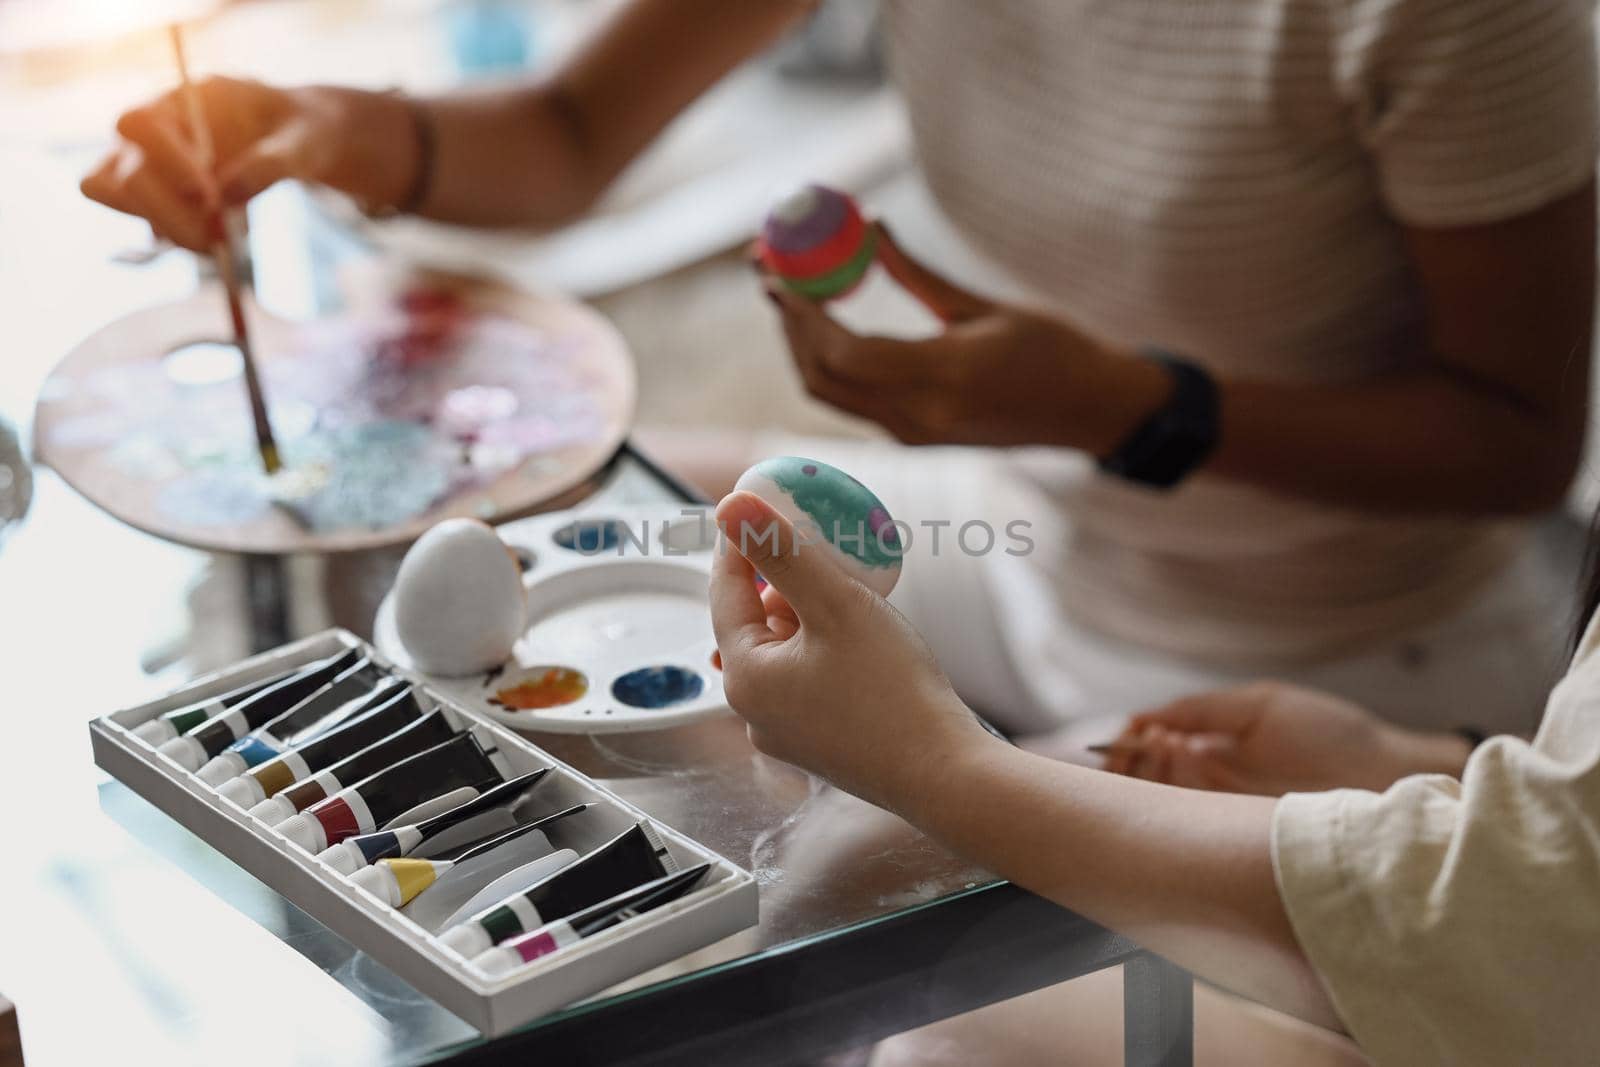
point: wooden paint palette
(619, 633)
(431, 396)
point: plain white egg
(459, 605)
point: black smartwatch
(1178, 437)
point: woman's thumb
(943, 297)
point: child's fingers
(1213, 712)
(1152, 760)
(1120, 759)
(781, 618)
(738, 617)
(1119, 753)
(1201, 763)
(817, 590)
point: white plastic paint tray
(610, 593)
(723, 904)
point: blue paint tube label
(254, 749)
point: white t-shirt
(1459, 922)
(1229, 179)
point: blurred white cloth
(1003, 628)
(1232, 182)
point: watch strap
(1178, 436)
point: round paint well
(690, 535)
(542, 687)
(657, 687)
(591, 536)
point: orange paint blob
(550, 687)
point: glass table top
(121, 930)
(112, 903)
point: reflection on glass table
(866, 926)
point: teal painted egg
(833, 513)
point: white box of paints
(724, 903)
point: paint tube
(179, 721)
(392, 709)
(461, 763)
(633, 857)
(218, 732)
(555, 936)
(170, 724)
(397, 882)
(362, 687)
(519, 877)
(417, 735)
(354, 853)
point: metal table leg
(1157, 1014)
(266, 587)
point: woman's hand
(827, 674)
(998, 375)
(1271, 738)
(361, 143)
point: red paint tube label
(338, 820)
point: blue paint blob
(657, 687)
(590, 536)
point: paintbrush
(222, 254)
(1117, 748)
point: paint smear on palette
(213, 499)
(376, 474)
(378, 418)
(548, 687)
(657, 687)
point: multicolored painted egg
(832, 510)
(459, 605)
(816, 241)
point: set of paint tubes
(341, 758)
